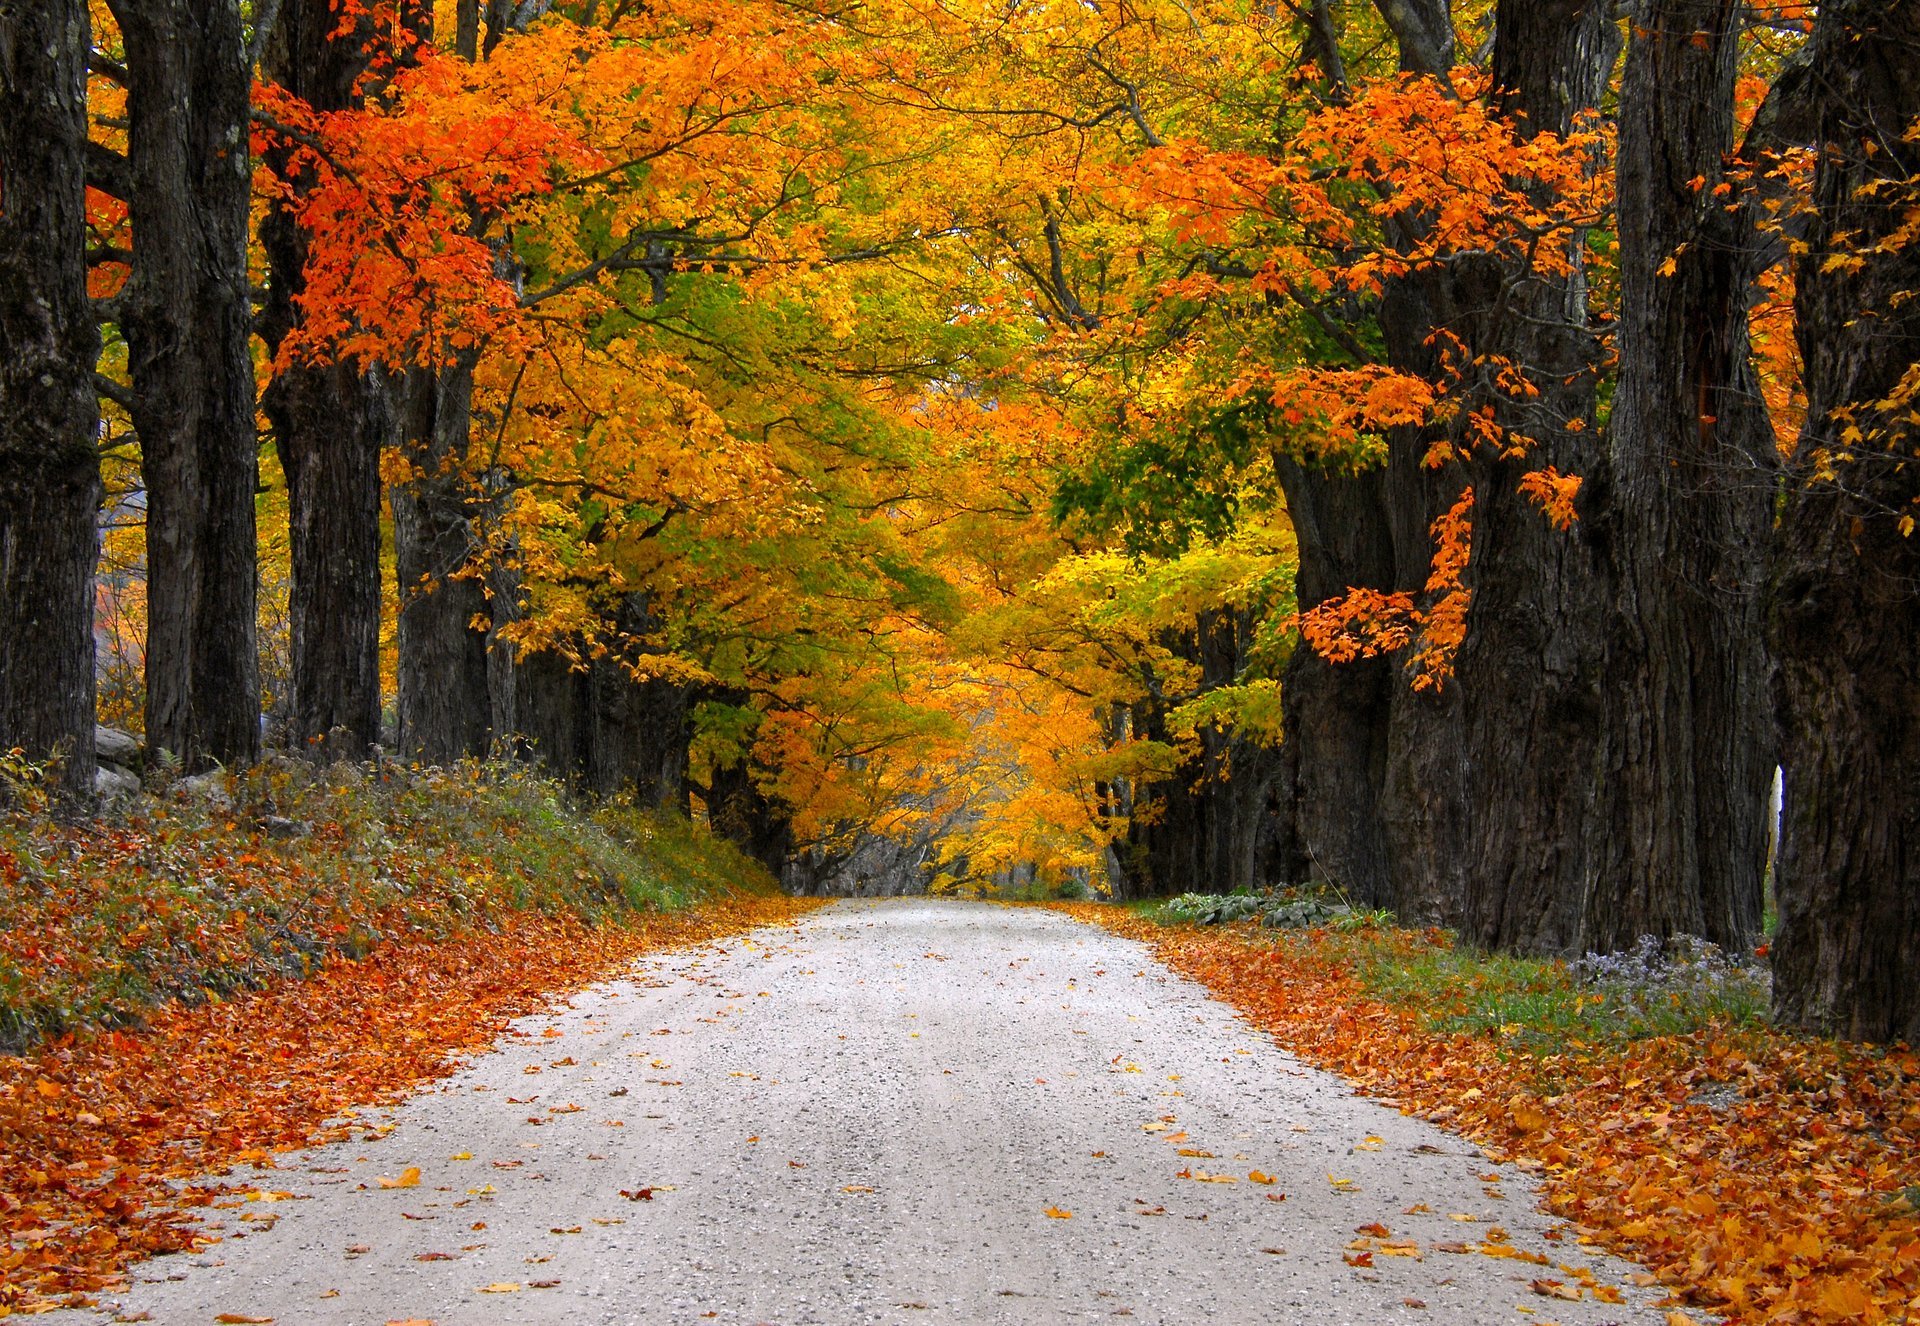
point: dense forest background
(1453, 452)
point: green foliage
(1276, 909)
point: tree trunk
(1539, 836)
(641, 728)
(598, 728)
(187, 321)
(755, 823)
(1845, 614)
(444, 704)
(1336, 714)
(49, 415)
(1691, 458)
(329, 423)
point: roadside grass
(272, 873)
(1761, 1175)
(206, 980)
(1531, 1005)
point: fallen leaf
(1555, 1289)
(409, 1178)
(499, 1287)
(242, 1318)
(1260, 1176)
(1056, 1213)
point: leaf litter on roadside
(109, 1139)
(1793, 1204)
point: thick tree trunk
(1543, 819)
(329, 423)
(1336, 714)
(187, 321)
(1845, 609)
(642, 727)
(49, 415)
(600, 729)
(444, 700)
(1691, 460)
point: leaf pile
(1758, 1175)
(94, 1125)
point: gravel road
(906, 1111)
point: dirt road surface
(907, 1111)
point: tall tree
(1691, 454)
(187, 319)
(49, 415)
(1540, 822)
(329, 420)
(1845, 607)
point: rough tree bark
(600, 729)
(329, 424)
(186, 319)
(49, 415)
(444, 705)
(1336, 714)
(1691, 452)
(1541, 813)
(1845, 608)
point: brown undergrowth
(1761, 1176)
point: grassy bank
(209, 979)
(191, 896)
(1761, 1175)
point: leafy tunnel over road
(900, 1111)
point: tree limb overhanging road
(904, 1111)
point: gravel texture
(866, 1118)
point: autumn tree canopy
(1139, 447)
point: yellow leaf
(409, 1178)
(1260, 1176)
(856, 1187)
(1846, 1300)
(46, 1088)
(499, 1287)
(1056, 1213)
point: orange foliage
(1795, 1205)
(1365, 622)
(94, 1127)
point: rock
(111, 782)
(116, 747)
(279, 826)
(210, 787)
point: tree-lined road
(905, 1111)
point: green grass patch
(1534, 1005)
